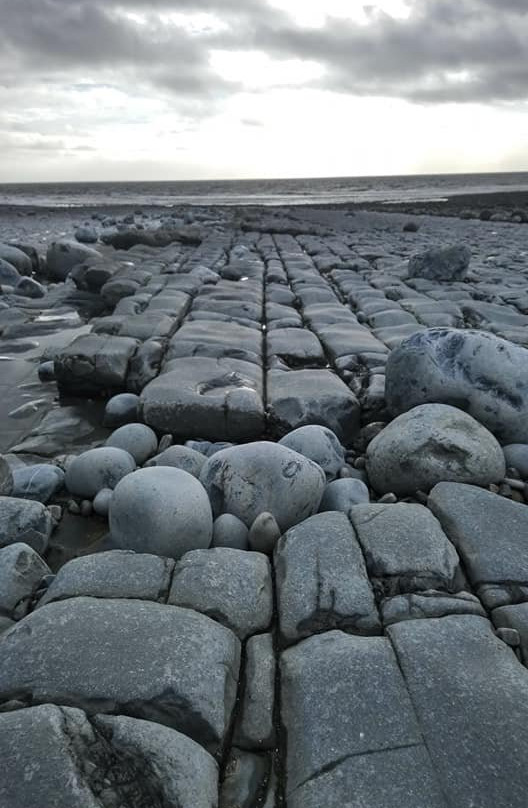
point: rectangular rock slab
(342, 697)
(471, 696)
(321, 580)
(94, 364)
(255, 728)
(162, 663)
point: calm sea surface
(262, 192)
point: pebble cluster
(297, 448)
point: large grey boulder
(231, 586)
(429, 444)
(63, 255)
(22, 520)
(350, 727)
(93, 364)
(322, 581)
(39, 482)
(110, 760)
(319, 444)
(91, 471)
(256, 477)
(441, 264)
(112, 574)
(483, 374)
(127, 657)
(160, 510)
(139, 440)
(471, 697)
(6, 478)
(21, 571)
(14, 256)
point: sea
(323, 191)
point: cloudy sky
(184, 89)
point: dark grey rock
(263, 477)
(29, 287)
(231, 586)
(318, 444)
(144, 365)
(342, 495)
(86, 235)
(255, 729)
(46, 371)
(96, 469)
(17, 258)
(180, 457)
(444, 264)
(230, 531)
(264, 533)
(160, 510)
(296, 347)
(112, 574)
(21, 571)
(516, 456)
(63, 255)
(39, 482)
(121, 409)
(92, 364)
(429, 604)
(429, 444)
(184, 684)
(6, 478)
(321, 580)
(473, 724)
(22, 520)
(245, 777)
(478, 372)
(139, 440)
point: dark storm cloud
(446, 50)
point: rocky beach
(264, 505)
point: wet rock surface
(263, 511)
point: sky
(202, 89)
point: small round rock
(98, 468)
(341, 495)
(101, 503)
(46, 371)
(264, 534)
(319, 444)
(230, 531)
(139, 440)
(121, 409)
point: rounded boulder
(138, 440)
(96, 469)
(319, 444)
(160, 510)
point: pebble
(264, 534)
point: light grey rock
(29, 287)
(91, 471)
(121, 409)
(342, 495)
(405, 548)
(39, 482)
(184, 684)
(231, 586)
(245, 777)
(22, 520)
(101, 503)
(478, 372)
(108, 760)
(262, 477)
(230, 531)
(489, 532)
(63, 255)
(6, 478)
(112, 574)
(17, 258)
(429, 444)
(318, 444)
(180, 457)
(254, 729)
(345, 709)
(21, 571)
(264, 533)
(322, 581)
(444, 264)
(160, 510)
(93, 363)
(516, 455)
(456, 669)
(138, 440)
(429, 604)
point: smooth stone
(231, 586)
(262, 477)
(112, 574)
(63, 255)
(39, 482)
(482, 374)
(244, 779)
(9, 276)
(430, 603)
(93, 364)
(17, 258)
(230, 531)
(318, 444)
(189, 664)
(161, 510)
(341, 495)
(264, 533)
(101, 503)
(121, 409)
(433, 443)
(180, 457)
(516, 456)
(26, 521)
(86, 235)
(96, 469)
(29, 287)
(444, 264)
(138, 440)
(255, 729)
(21, 571)
(6, 478)
(514, 618)
(46, 371)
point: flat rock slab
(305, 397)
(344, 700)
(489, 532)
(255, 727)
(113, 574)
(209, 338)
(94, 363)
(26, 521)
(216, 399)
(231, 586)
(162, 663)
(471, 696)
(405, 548)
(56, 756)
(429, 604)
(322, 581)
(295, 346)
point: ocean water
(334, 190)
